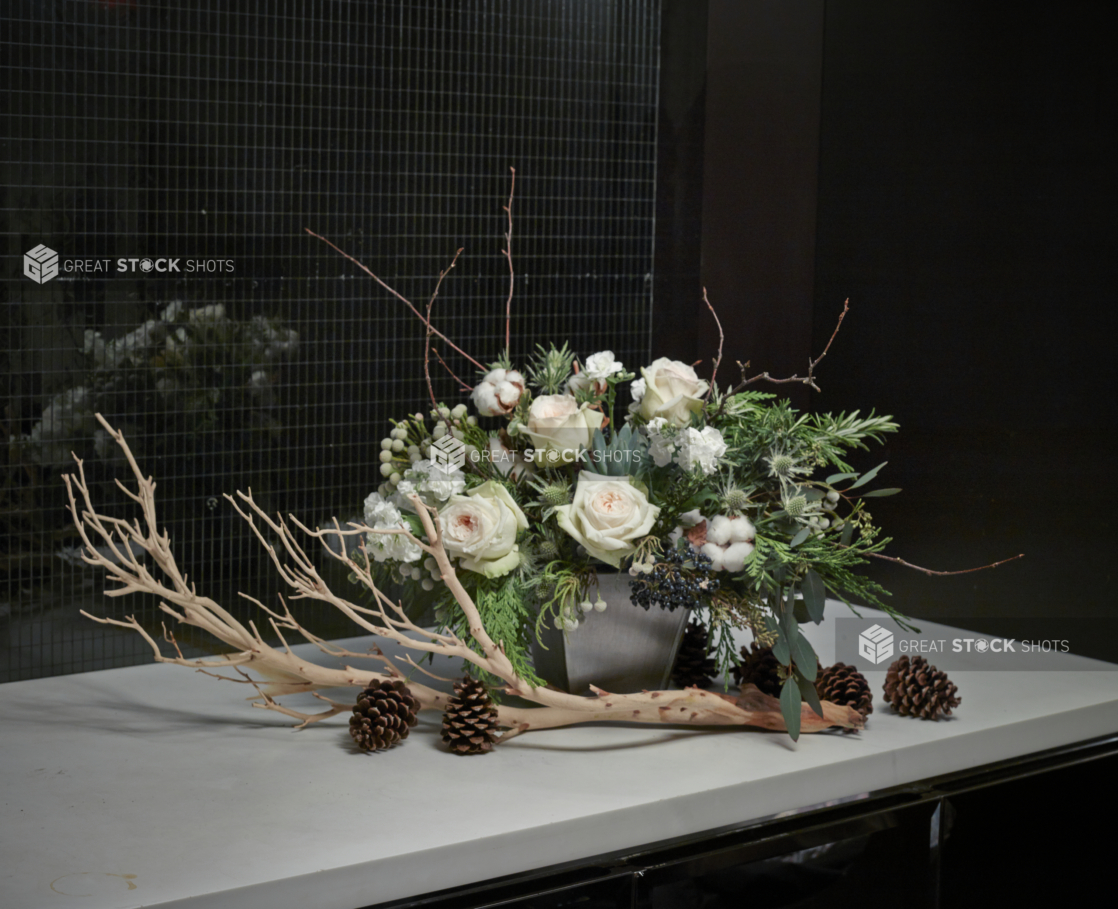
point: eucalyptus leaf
(790, 707)
(892, 491)
(839, 477)
(866, 477)
(815, 595)
(807, 663)
(809, 694)
(847, 533)
(800, 612)
(800, 537)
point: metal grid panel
(214, 132)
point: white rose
(607, 516)
(498, 393)
(480, 528)
(559, 426)
(700, 449)
(672, 390)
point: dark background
(948, 168)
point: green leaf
(880, 492)
(815, 595)
(780, 646)
(800, 612)
(790, 707)
(866, 477)
(839, 477)
(807, 663)
(800, 537)
(809, 694)
(847, 533)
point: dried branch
(430, 330)
(721, 341)
(808, 380)
(931, 572)
(397, 295)
(508, 255)
(283, 672)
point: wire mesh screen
(160, 165)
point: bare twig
(461, 384)
(808, 380)
(430, 330)
(721, 341)
(508, 255)
(397, 295)
(933, 573)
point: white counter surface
(157, 786)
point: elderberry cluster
(679, 580)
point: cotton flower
(498, 393)
(729, 542)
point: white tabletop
(157, 786)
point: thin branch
(932, 572)
(461, 384)
(430, 330)
(721, 340)
(508, 255)
(396, 294)
(808, 380)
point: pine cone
(692, 665)
(845, 685)
(470, 721)
(916, 689)
(758, 667)
(383, 715)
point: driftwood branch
(282, 672)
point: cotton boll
(715, 553)
(719, 530)
(734, 556)
(742, 530)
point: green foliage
(550, 368)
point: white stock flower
(729, 542)
(607, 516)
(480, 529)
(673, 390)
(380, 514)
(661, 443)
(498, 393)
(559, 426)
(700, 449)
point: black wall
(963, 201)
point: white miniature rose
(498, 393)
(673, 390)
(480, 529)
(559, 426)
(597, 368)
(700, 449)
(607, 516)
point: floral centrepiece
(725, 501)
